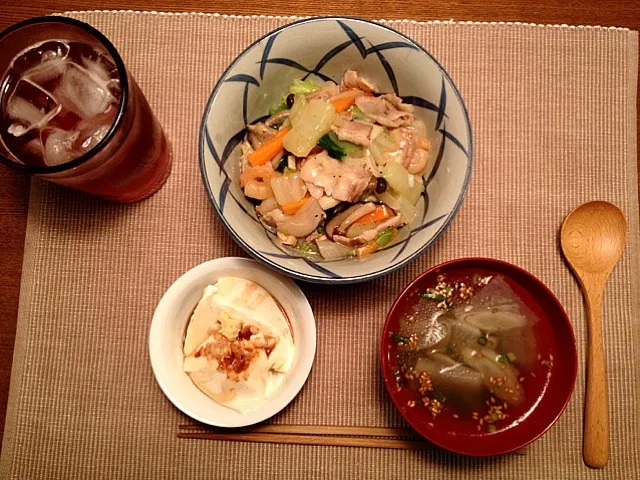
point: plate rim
(303, 369)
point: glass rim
(124, 85)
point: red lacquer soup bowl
(547, 384)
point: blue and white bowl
(322, 49)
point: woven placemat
(553, 111)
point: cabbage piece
(390, 199)
(414, 192)
(279, 108)
(399, 203)
(377, 155)
(358, 115)
(333, 251)
(397, 177)
(385, 142)
(299, 103)
(309, 125)
(407, 209)
(303, 87)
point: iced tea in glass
(71, 113)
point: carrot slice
(367, 249)
(292, 207)
(382, 212)
(345, 99)
(269, 150)
(372, 247)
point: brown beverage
(61, 99)
(71, 113)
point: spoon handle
(595, 451)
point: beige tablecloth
(553, 111)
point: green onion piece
(430, 294)
(482, 340)
(320, 228)
(398, 338)
(289, 170)
(357, 114)
(511, 356)
(503, 359)
(307, 247)
(303, 86)
(333, 149)
(384, 237)
(337, 148)
(439, 396)
(280, 107)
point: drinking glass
(131, 161)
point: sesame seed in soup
(470, 355)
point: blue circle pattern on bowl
(378, 53)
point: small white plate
(166, 339)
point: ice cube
(43, 52)
(53, 49)
(47, 71)
(59, 146)
(94, 138)
(83, 92)
(23, 111)
(93, 130)
(100, 67)
(30, 106)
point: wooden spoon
(593, 238)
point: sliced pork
(259, 134)
(355, 132)
(352, 80)
(387, 110)
(343, 180)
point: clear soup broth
(470, 354)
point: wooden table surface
(14, 189)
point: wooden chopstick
(338, 441)
(326, 435)
(317, 430)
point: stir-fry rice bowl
(335, 150)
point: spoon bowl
(592, 238)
